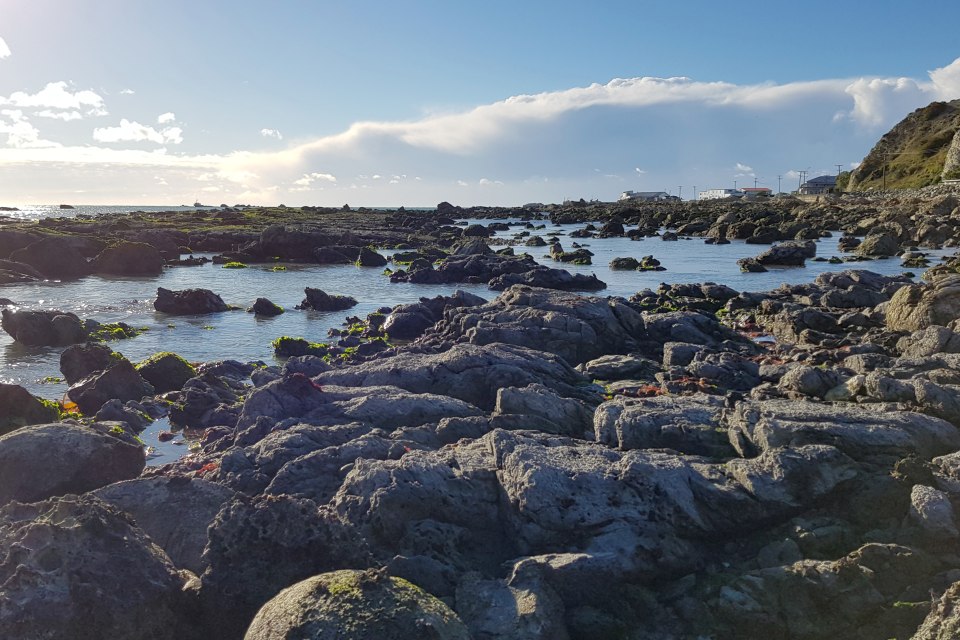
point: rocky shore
(542, 462)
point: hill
(920, 150)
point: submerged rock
(321, 301)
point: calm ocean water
(241, 336)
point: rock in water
(322, 301)
(369, 604)
(54, 257)
(188, 302)
(166, 371)
(43, 328)
(129, 259)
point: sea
(239, 335)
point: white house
(720, 194)
(646, 196)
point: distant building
(753, 192)
(719, 194)
(646, 196)
(818, 185)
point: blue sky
(411, 103)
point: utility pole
(694, 193)
(680, 192)
(838, 169)
(778, 185)
(754, 182)
(734, 185)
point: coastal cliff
(920, 150)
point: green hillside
(912, 154)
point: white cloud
(271, 133)
(56, 95)
(129, 131)
(127, 92)
(309, 178)
(538, 145)
(165, 118)
(66, 116)
(4, 49)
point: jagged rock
(41, 461)
(208, 400)
(370, 258)
(188, 302)
(792, 254)
(879, 244)
(620, 367)
(121, 381)
(810, 381)
(258, 547)
(153, 501)
(80, 360)
(688, 424)
(55, 257)
(624, 263)
(861, 431)
(76, 567)
(552, 413)
(321, 301)
(128, 259)
(521, 608)
(43, 328)
(264, 307)
(18, 408)
(370, 604)
(290, 243)
(943, 621)
(166, 371)
(851, 597)
(467, 372)
(919, 306)
(931, 509)
(409, 321)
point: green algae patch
(286, 347)
(234, 265)
(114, 331)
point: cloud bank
(580, 142)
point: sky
(386, 103)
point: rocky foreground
(540, 464)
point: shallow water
(242, 336)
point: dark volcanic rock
(321, 301)
(166, 371)
(43, 328)
(370, 258)
(264, 307)
(120, 382)
(18, 407)
(258, 547)
(80, 360)
(54, 257)
(152, 501)
(791, 254)
(76, 567)
(188, 302)
(129, 259)
(40, 461)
